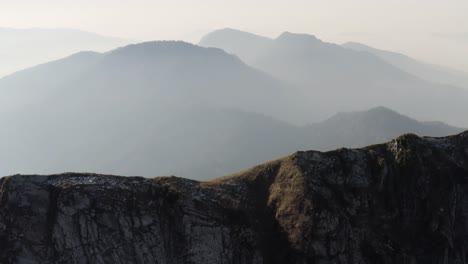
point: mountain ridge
(380, 204)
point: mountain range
(163, 108)
(335, 78)
(174, 108)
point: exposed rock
(401, 202)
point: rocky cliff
(405, 201)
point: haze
(433, 31)
(104, 86)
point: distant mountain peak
(382, 109)
(154, 45)
(231, 35)
(232, 30)
(171, 49)
(378, 111)
(366, 117)
(288, 36)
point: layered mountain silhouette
(162, 108)
(110, 111)
(337, 78)
(433, 73)
(23, 48)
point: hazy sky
(432, 30)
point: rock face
(401, 202)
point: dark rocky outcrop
(401, 202)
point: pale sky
(435, 31)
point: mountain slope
(157, 72)
(33, 85)
(399, 202)
(433, 73)
(107, 112)
(24, 48)
(335, 78)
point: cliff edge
(405, 201)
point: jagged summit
(399, 201)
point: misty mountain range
(335, 78)
(161, 108)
